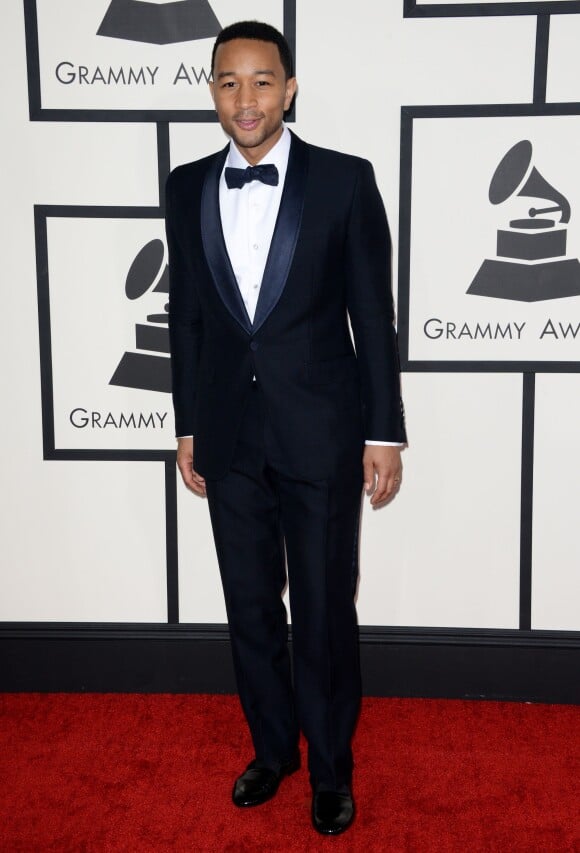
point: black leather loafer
(258, 784)
(332, 812)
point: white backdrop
(84, 541)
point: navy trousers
(262, 521)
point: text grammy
(83, 419)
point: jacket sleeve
(185, 327)
(371, 312)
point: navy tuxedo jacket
(329, 261)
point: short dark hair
(257, 31)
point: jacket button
(253, 345)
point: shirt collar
(278, 155)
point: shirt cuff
(183, 436)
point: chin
(248, 140)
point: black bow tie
(267, 173)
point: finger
(186, 474)
(199, 482)
(369, 477)
(194, 482)
(381, 490)
(199, 487)
(199, 490)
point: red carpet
(95, 773)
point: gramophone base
(169, 23)
(144, 371)
(531, 246)
(527, 282)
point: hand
(191, 478)
(383, 470)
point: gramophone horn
(538, 187)
(512, 171)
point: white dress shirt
(248, 219)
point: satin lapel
(285, 234)
(215, 247)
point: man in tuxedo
(274, 245)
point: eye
(262, 83)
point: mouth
(248, 122)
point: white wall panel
(445, 552)
(72, 164)
(191, 141)
(556, 554)
(564, 59)
(483, 3)
(82, 542)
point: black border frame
(416, 9)
(408, 116)
(42, 213)
(38, 113)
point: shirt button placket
(254, 240)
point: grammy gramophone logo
(531, 263)
(149, 367)
(159, 21)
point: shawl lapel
(214, 245)
(285, 235)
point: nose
(246, 96)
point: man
(273, 245)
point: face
(251, 93)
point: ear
(291, 87)
(211, 90)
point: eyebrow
(233, 73)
